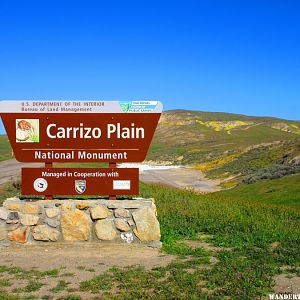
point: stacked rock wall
(129, 221)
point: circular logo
(40, 184)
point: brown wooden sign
(81, 131)
(80, 181)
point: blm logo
(80, 186)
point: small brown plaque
(80, 181)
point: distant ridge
(225, 144)
(228, 114)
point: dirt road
(11, 169)
(181, 178)
(174, 176)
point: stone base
(127, 221)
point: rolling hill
(5, 152)
(228, 145)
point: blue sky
(233, 56)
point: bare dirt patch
(70, 256)
(182, 178)
(202, 244)
(286, 284)
(74, 263)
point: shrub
(271, 172)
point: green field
(256, 226)
(190, 137)
(5, 150)
(283, 191)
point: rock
(48, 205)
(100, 212)
(82, 205)
(153, 207)
(52, 212)
(52, 222)
(29, 208)
(213, 260)
(41, 221)
(45, 233)
(29, 220)
(12, 227)
(155, 244)
(13, 206)
(67, 206)
(19, 235)
(5, 244)
(129, 204)
(13, 199)
(3, 213)
(122, 225)
(127, 237)
(12, 221)
(122, 213)
(75, 225)
(147, 226)
(13, 218)
(25, 208)
(275, 245)
(295, 161)
(131, 223)
(105, 230)
(2, 232)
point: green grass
(32, 276)
(233, 222)
(246, 227)
(28, 274)
(172, 282)
(32, 286)
(5, 282)
(246, 221)
(61, 285)
(70, 297)
(8, 190)
(7, 296)
(5, 149)
(284, 191)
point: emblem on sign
(40, 185)
(27, 130)
(125, 106)
(80, 186)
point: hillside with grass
(223, 145)
(5, 149)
